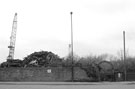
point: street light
(125, 69)
(72, 47)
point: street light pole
(72, 47)
(125, 71)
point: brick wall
(41, 74)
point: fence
(130, 76)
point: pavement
(68, 83)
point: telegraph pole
(72, 47)
(125, 71)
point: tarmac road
(67, 85)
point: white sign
(49, 71)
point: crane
(12, 39)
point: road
(67, 85)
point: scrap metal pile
(12, 63)
(42, 58)
(36, 59)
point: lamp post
(125, 71)
(72, 76)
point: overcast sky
(45, 25)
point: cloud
(106, 6)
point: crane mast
(12, 38)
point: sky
(98, 26)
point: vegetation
(104, 66)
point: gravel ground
(67, 85)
